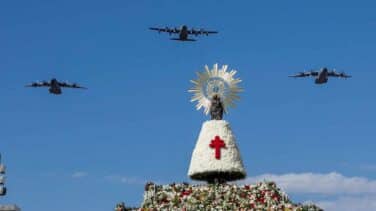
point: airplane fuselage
(54, 88)
(183, 35)
(322, 76)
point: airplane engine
(194, 32)
(2, 180)
(3, 191)
(2, 169)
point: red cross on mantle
(217, 144)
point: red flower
(261, 200)
(276, 197)
(165, 200)
(185, 193)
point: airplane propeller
(204, 32)
(194, 32)
(343, 74)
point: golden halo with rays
(215, 82)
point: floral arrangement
(261, 196)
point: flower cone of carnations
(216, 157)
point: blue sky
(96, 147)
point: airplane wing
(166, 29)
(73, 85)
(201, 31)
(210, 32)
(340, 75)
(313, 73)
(305, 74)
(39, 84)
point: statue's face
(215, 99)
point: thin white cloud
(79, 174)
(126, 180)
(331, 183)
(132, 180)
(349, 203)
(346, 193)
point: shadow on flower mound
(260, 196)
(222, 177)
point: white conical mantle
(216, 155)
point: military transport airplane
(55, 85)
(321, 76)
(183, 32)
